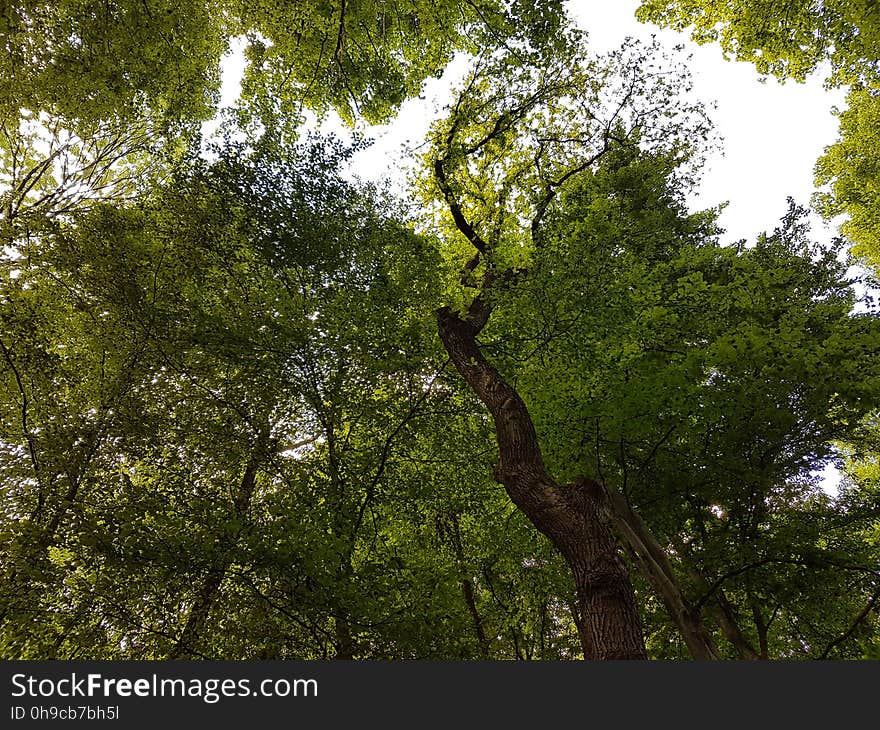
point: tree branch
(859, 619)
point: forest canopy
(534, 409)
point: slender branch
(340, 36)
(32, 450)
(461, 222)
(807, 562)
(859, 619)
(386, 450)
(654, 563)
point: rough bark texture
(571, 516)
(655, 566)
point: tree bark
(572, 516)
(655, 566)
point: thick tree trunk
(571, 516)
(604, 591)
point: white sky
(772, 132)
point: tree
(786, 40)
(500, 163)
(222, 421)
(850, 168)
(88, 62)
(92, 92)
(515, 136)
(791, 40)
(722, 380)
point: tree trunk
(571, 516)
(604, 591)
(655, 566)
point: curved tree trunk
(571, 516)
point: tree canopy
(536, 410)
(86, 61)
(783, 39)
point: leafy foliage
(791, 40)
(851, 169)
(228, 430)
(232, 415)
(783, 39)
(705, 384)
(86, 61)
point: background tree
(92, 92)
(222, 419)
(793, 40)
(87, 61)
(787, 39)
(704, 402)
